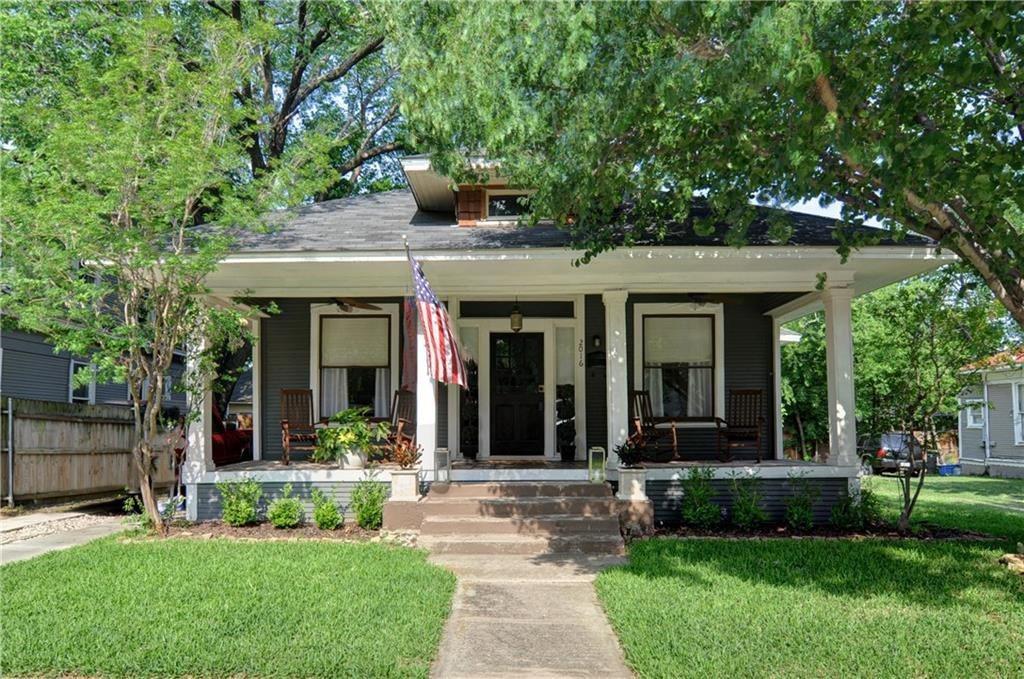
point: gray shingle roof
(377, 222)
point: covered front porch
(545, 396)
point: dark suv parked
(891, 452)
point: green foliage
(240, 501)
(800, 502)
(747, 512)
(785, 102)
(857, 512)
(630, 453)
(325, 513)
(349, 429)
(367, 503)
(314, 589)
(285, 511)
(911, 343)
(698, 509)
(126, 125)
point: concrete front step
(557, 525)
(516, 489)
(523, 544)
(520, 507)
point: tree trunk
(144, 463)
(800, 436)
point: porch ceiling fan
(347, 304)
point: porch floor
(306, 465)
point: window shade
(678, 339)
(350, 342)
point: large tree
(109, 157)
(908, 112)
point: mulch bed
(887, 531)
(349, 532)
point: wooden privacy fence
(68, 450)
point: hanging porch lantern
(515, 320)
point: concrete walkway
(527, 616)
(66, 532)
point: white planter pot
(632, 484)
(353, 458)
(405, 485)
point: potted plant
(347, 437)
(405, 484)
(632, 475)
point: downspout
(10, 452)
(988, 443)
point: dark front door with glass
(517, 393)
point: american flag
(443, 360)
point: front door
(517, 393)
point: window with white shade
(679, 365)
(355, 364)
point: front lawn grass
(223, 608)
(976, 503)
(816, 608)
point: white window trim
(682, 309)
(318, 310)
(969, 405)
(71, 381)
(1018, 413)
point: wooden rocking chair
(648, 434)
(743, 423)
(297, 424)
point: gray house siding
(1000, 423)
(1005, 456)
(32, 370)
(666, 496)
(284, 364)
(748, 363)
(972, 440)
(209, 509)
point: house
(991, 425)
(688, 320)
(30, 368)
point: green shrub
(285, 511)
(800, 503)
(368, 503)
(698, 509)
(747, 512)
(852, 513)
(240, 501)
(325, 513)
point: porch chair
(743, 423)
(648, 434)
(297, 430)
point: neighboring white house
(992, 418)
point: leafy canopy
(911, 113)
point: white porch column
(426, 403)
(842, 425)
(199, 451)
(616, 374)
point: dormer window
(505, 206)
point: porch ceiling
(547, 271)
